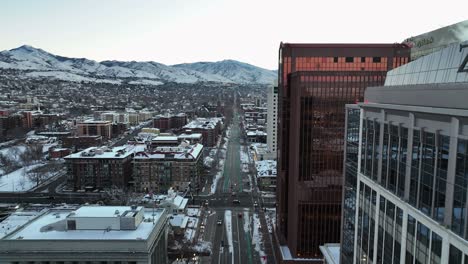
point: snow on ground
(18, 181)
(257, 237)
(268, 194)
(244, 156)
(193, 212)
(203, 246)
(215, 183)
(228, 225)
(208, 162)
(218, 176)
(146, 81)
(270, 216)
(246, 221)
(10, 151)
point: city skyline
(183, 32)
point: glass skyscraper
(406, 160)
(315, 83)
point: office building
(315, 82)
(89, 234)
(272, 121)
(406, 159)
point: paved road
(233, 181)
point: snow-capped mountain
(37, 63)
(235, 71)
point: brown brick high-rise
(315, 82)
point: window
(376, 59)
(455, 255)
(363, 59)
(349, 59)
(335, 59)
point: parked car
(220, 222)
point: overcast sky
(176, 31)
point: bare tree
(8, 164)
(37, 175)
(32, 154)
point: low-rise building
(210, 129)
(180, 167)
(167, 122)
(256, 136)
(95, 128)
(99, 168)
(81, 142)
(90, 234)
(266, 175)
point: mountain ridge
(38, 63)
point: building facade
(315, 81)
(89, 234)
(100, 168)
(406, 183)
(272, 121)
(95, 128)
(178, 167)
(167, 122)
(210, 128)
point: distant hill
(37, 63)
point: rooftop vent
(134, 207)
(117, 212)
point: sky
(179, 31)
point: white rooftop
(188, 153)
(102, 211)
(106, 152)
(266, 168)
(52, 226)
(204, 123)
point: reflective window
(427, 173)
(455, 255)
(436, 248)
(460, 189)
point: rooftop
(203, 123)
(266, 168)
(91, 121)
(106, 152)
(51, 225)
(180, 152)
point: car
(239, 215)
(235, 201)
(255, 204)
(233, 194)
(220, 222)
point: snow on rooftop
(52, 226)
(106, 152)
(204, 123)
(15, 220)
(102, 211)
(180, 152)
(266, 168)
